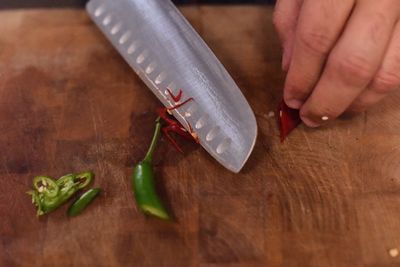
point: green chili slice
(49, 194)
(83, 201)
(66, 181)
(46, 185)
(143, 182)
(83, 179)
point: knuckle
(292, 90)
(377, 24)
(316, 40)
(353, 67)
(386, 81)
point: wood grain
(68, 102)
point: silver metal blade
(166, 52)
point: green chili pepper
(49, 194)
(83, 201)
(143, 182)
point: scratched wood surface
(68, 102)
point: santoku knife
(166, 52)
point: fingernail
(309, 122)
(294, 103)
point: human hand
(340, 55)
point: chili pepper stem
(153, 144)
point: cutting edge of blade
(237, 169)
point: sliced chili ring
(66, 181)
(83, 179)
(36, 201)
(46, 185)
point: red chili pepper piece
(173, 125)
(177, 97)
(288, 119)
(178, 130)
(162, 112)
(180, 105)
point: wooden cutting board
(68, 103)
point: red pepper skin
(176, 127)
(173, 125)
(288, 119)
(181, 104)
(177, 97)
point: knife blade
(166, 52)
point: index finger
(353, 62)
(319, 26)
